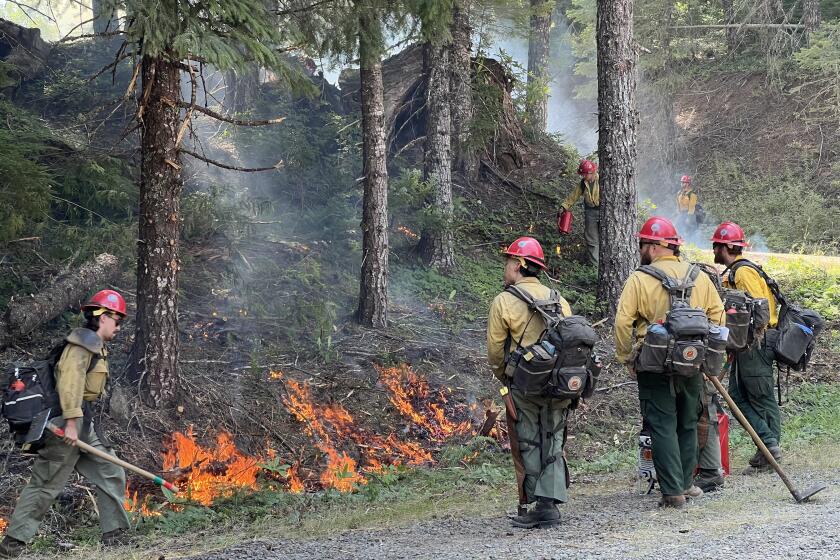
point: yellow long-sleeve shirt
(591, 193)
(75, 380)
(750, 281)
(644, 301)
(686, 202)
(509, 315)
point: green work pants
(591, 233)
(540, 428)
(751, 387)
(670, 408)
(55, 463)
(710, 459)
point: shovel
(42, 422)
(798, 495)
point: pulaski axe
(42, 422)
(798, 495)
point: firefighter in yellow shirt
(670, 404)
(751, 378)
(686, 206)
(536, 431)
(590, 190)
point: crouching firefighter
(544, 374)
(666, 333)
(80, 374)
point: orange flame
(411, 396)
(134, 503)
(210, 472)
(295, 482)
(3, 525)
(408, 233)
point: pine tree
(167, 36)
(617, 121)
(460, 62)
(538, 54)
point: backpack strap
(550, 309)
(677, 290)
(771, 283)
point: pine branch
(275, 167)
(68, 38)
(224, 118)
(291, 11)
(113, 65)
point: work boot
(708, 481)
(545, 514)
(693, 492)
(11, 548)
(676, 502)
(117, 537)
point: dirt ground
(753, 518)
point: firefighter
(686, 205)
(670, 405)
(751, 375)
(80, 374)
(538, 455)
(589, 188)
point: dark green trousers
(670, 407)
(540, 428)
(591, 232)
(751, 387)
(55, 463)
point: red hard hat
(685, 179)
(587, 166)
(529, 249)
(660, 229)
(107, 299)
(730, 233)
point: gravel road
(753, 518)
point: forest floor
(754, 517)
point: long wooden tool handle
(116, 460)
(757, 440)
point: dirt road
(754, 518)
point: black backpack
(686, 343)
(746, 316)
(28, 390)
(562, 364)
(796, 334)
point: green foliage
(809, 284)
(819, 64)
(802, 219)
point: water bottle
(549, 347)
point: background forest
(329, 270)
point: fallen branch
(224, 118)
(511, 183)
(616, 386)
(209, 161)
(26, 313)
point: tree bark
(156, 342)
(617, 122)
(460, 60)
(25, 313)
(811, 17)
(104, 16)
(436, 241)
(373, 285)
(538, 52)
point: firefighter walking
(589, 189)
(687, 205)
(670, 404)
(80, 374)
(536, 432)
(751, 375)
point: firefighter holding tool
(536, 425)
(80, 373)
(589, 189)
(667, 310)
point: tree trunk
(373, 285)
(538, 50)
(104, 16)
(617, 121)
(811, 17)
(156, 343)
(460, 60)
(436, 242)
(731, 32)
(25, 313)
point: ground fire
(3, 524)
(349, 453)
